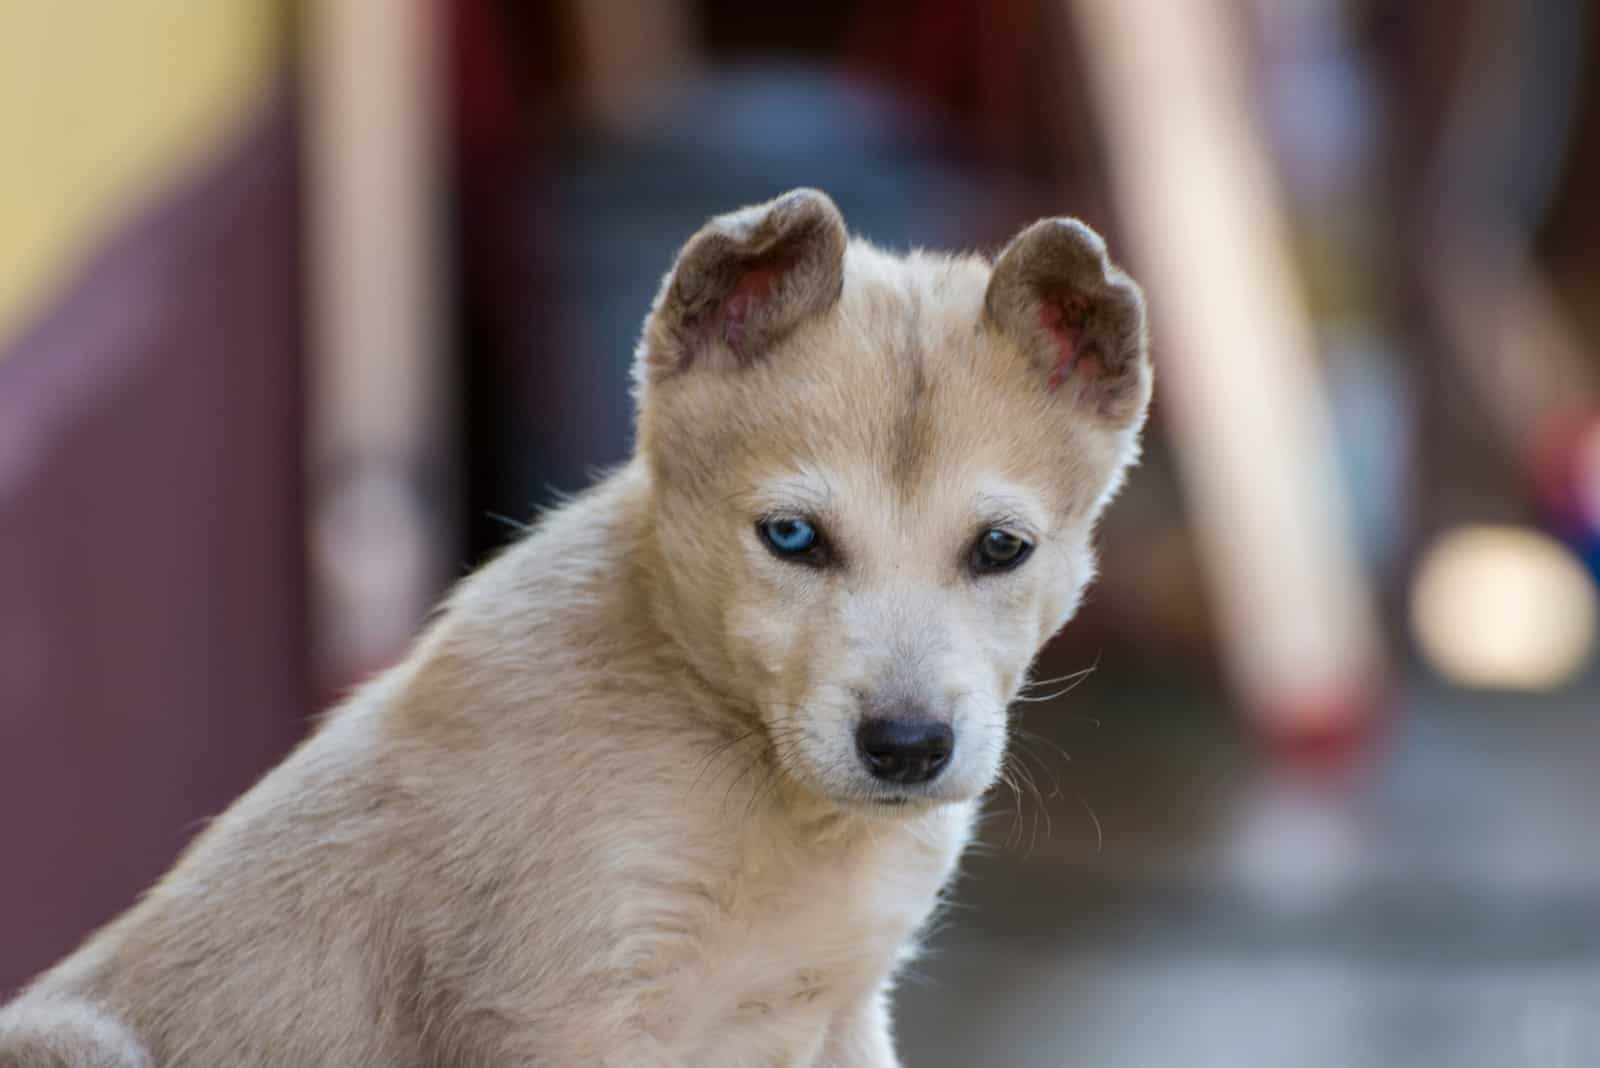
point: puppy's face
(876, 480)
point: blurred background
(306, 307)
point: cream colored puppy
(676, 780)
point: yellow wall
(103, 104)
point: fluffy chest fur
(810, 926)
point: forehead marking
(913, 428)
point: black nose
(904, 750)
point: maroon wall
(151, 632)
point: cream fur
(609, 811)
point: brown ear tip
(808, 197)
(1063, 246)
(799, 211)
(1065, 227)
(807, 207)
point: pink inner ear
(1066, 318)
(753, 289)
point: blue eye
(790, 537)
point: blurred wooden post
(628, 49)
(379, 455)
(1237, 363)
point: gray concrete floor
(1439, 906)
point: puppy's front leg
(641, 1053)
(630, 1050)
(859, 1036)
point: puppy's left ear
(742, 282)
(1056, 294)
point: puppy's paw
(66, 1033)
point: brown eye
(998, 550)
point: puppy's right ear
(743, 282)
(1056, 294)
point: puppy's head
(876, 478)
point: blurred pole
(1240, 378)
(380, 464)
(1512, 119)
(629, 49)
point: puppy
(676, 780)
